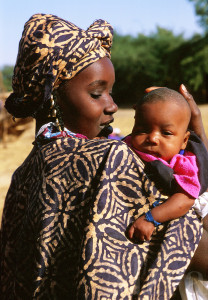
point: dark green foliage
(189, 64)
(201, 8)
(7, 72)
(141, 62)
(160, 59)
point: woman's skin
(86, 100)
(199, 262)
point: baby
(160, 134)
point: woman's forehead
(97, 74)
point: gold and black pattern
(64, 223)
(52, 50)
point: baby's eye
(95, 96)
(167, 133)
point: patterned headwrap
(52, 50)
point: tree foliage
(201, 8)
(160, 59)
(141, 61)
(189, 64)
(7, 72)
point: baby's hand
(141, 229)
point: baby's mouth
(153, 153)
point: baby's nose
(153, 138)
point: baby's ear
(185, 141)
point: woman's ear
(185, 141)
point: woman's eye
(95, 96)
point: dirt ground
(11, 156)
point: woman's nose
(110, 106)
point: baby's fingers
(131, 232)
(147, 237)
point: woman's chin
(104, 133)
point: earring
(53, 113)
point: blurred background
(160, 43)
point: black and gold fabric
(64, 227)
(52, 50)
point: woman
(71, 201)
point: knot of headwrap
(52, 50)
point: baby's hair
(162, 94)
(165, 94)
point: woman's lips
(105, 129)
(106, 124)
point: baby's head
(161, 123)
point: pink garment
(184, 167)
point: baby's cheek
(168, 151)
(137, 141)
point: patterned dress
(64, 227)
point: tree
(189, 64)
(141, 62)
(2, 88)
(7, 73)
(201, 8)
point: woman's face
(86, 100)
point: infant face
(160, 129)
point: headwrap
(52, 50)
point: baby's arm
(176, 206)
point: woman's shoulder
(69, 144)
(91, 151)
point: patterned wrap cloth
(52, 50)
(64, 223)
